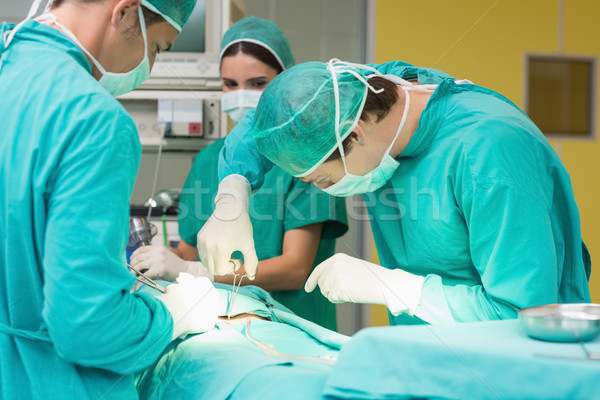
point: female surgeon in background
(472, 211)
(295, 224)
(69, 154)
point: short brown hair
(376, 106)
(57, 3)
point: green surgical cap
(175, 12)
(294, 126)
(262, 32)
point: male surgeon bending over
(472, 212)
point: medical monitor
(193, 61)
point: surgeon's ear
(125, 14)
(360, 130)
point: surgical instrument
(236, 265)
(147, 281)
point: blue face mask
(351, 184)
(115, 83)
(238, 102)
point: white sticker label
(165, 110)
(188, 110)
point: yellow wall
(485, 41)
(582, 158)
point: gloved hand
(193, 304)
(342, 278)
(158, 262)
(229, 229)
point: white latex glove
(229, 229)
(193, 304)
(158, 262)
(342, 278)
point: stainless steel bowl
(562, 322)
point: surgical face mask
(237, 103)
(351, 184)
(115, 83)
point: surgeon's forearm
(239, 155)
(186, 251)
(433, 306)
(277, 273)
(460, 303)
(289, 270)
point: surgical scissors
(147, 281)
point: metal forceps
(235, 290)
(140, 277)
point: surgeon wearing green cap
(295, 225)
(472, 212)
(69, 154)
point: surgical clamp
(147, 281)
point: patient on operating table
(257, 349)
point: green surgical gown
(282, 203)
(481, 206)
(69, 154)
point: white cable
(272, 351)
(163, 132)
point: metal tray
(562, 322)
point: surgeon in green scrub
(295, 225)
(472, 211)
(69, 154)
